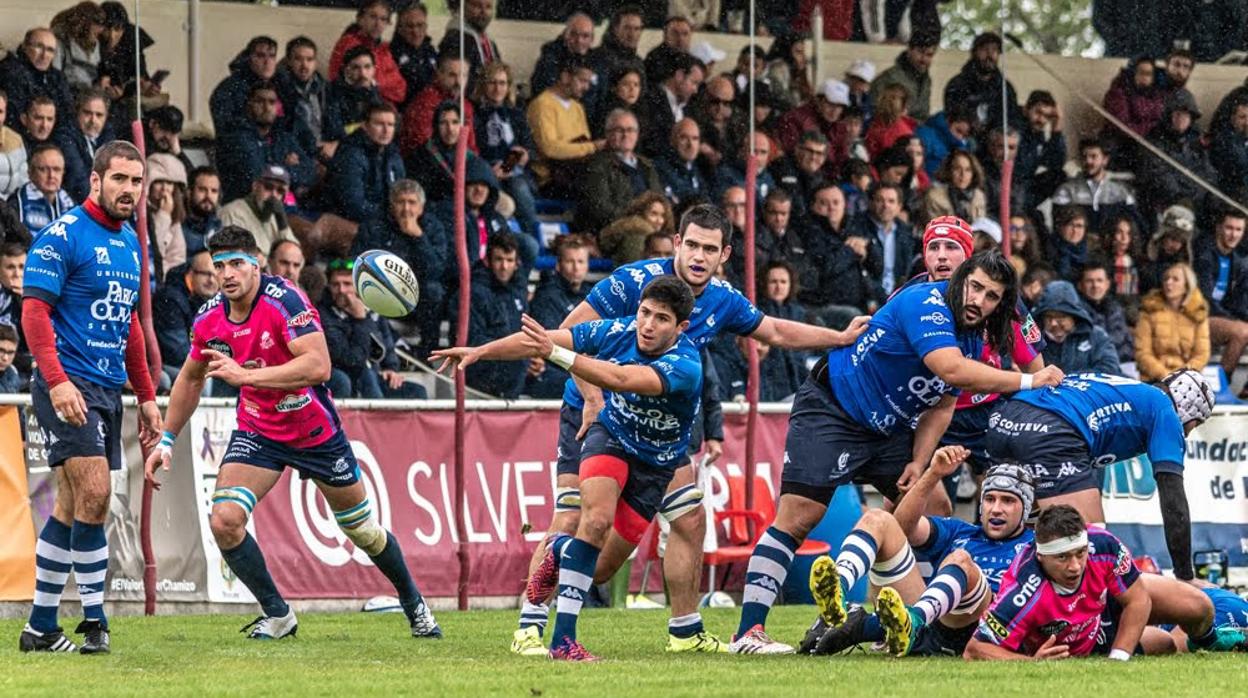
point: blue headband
(224, 257)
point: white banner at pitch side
(1216, 478)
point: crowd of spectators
(323, 152)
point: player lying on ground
(874, 412)
(1230, 616)
(262, 335)
(701, 249)
(930, 611)
(1075, 591)
(652, 373)
(79, 318)
(947, 243)
(1065, 435)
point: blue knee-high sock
(769, 565)
(943, 594)
(247, 562)
(576, 576)
(89, 546)
(872, 629)
(390, 562)
(53, 560)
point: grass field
(364, 654)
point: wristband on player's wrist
(1025, 381)
(563, 358)
(166, 440)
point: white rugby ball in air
(385, 283)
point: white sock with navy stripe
(685, 626)
(53, 561)
(769, 566)
(89, 546)
(943, 594)
(534, 615)
(856, 557)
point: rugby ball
(385, 283)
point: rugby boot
(423, 623)
(701, 642)
(811, 638)
(571, 651)
(51, 641)
(845, 636)
(756, 641)
(95, 637)
(900, 622)
(825, 587)
(272, 628)
(527, 642)
(544, 580)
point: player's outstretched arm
(513, 347)
(308, 366)
(789, 334)
(183, 399)
(979, 650)
(556, 347)
(909, 512)
(955, 369)
(1136, 607)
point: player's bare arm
(513, 347)
(642, 380)
(909, 512)
(183, 399)
(955, 369)
(309, 366)
(584, 312)
(932, 426)
(788, 334)
(979, 650)
(1136, 607)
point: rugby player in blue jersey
(652, 373)
(874, 412)
(701, 249)
(1065, 434)
(937, 574)
(80, 319)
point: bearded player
(262, 335)
(78, 314)
(937, 574)
(701, 248)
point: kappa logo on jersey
(934, 298)
(638, 276)
(291, 403)
(616, 327)
(101, 256)
(220, 345)
(57, 229)
(116, 305)
(1097, 418)
(47, 253)
(303, 319)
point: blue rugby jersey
(949, 534)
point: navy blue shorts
(1050, 448)
(825, 448)
(645, 485)
(967, 428)
(568, 458)
(331, 462)
(1109, 630)
(100, 436)
(939, 640)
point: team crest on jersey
(266, 340)
(1031, 330)
(220, 345)
(101, 256)
(1123, 564)
(303, 319)
(1054, 628)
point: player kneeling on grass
(968, 562)
(262, 335)
(651, 375)
(1076, 592)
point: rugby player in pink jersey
(262, 335)
(1076, 592)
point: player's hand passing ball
(454, 357)
(68, 403)
(225, 368)
(535, 339)
(947, 459)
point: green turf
(356, 654)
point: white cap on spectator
(989, 227)
(862, 69)
(706, 53)
(835, 92)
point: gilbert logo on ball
(385, 283)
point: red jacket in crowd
(417, 124)
(390, 82)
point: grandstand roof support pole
(461, 339)
(751, 348)
(1007, 163)
(149, 334)
(194, 52)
